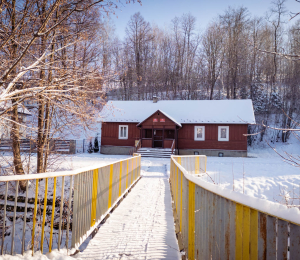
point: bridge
(112, 212)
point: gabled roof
(182, 111)
(172, 119)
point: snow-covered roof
(182, 111)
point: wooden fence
(214, 226)
(29, 146)
(84, 197)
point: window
(199, 133)
(223, 133)
(123, 131)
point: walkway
(142, 226)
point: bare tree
(212, 42)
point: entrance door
(158, 139)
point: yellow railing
(215, 223)
(84, 197)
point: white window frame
(126, 131)
(219, 133)
(195, 133)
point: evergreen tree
(96, 145)
(90, 148)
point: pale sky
(161, 12)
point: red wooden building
(211, 127)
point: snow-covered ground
(142, 226)
(264, 174)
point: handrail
(85, 196)
(173, 146)
(215, 222)
(54, 174)
(138, 145)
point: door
(158, 138)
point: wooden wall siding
(147, 143)
(110, 134)
(167, 124)
(236, 139)
(168, 143)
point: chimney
(155, 99)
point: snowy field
(263, 174)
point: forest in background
(237, 56)
(62, 59)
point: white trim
(126, 132)
(195, 133)
(219, 133)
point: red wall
(147, 143)
(236, 139)
(110, 134)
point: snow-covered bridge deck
(142, 226)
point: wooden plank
(210, 224)
(110, 188)
(34, 214)
(262, 236)
(44, 215)
(253, 234)
(75, 212)
(94, 197)
(206, 225)
(61, 211)
(24, 221)
(239, 232)
(185, 205)
(217, 227)
(221, 228)
(180, 210)
(246, 233)
(198, 223)
(14, 219)
(4, 219)
(214, 228)
(191, 217)
(271, 238)
(69, 211)
(226, 210)
(294, 241)
(282, 236)
(232, 230)
(202, 223)
(120, 179)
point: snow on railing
(65, 205)
(216, 223)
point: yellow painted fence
(66, 208)
(215, 227)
